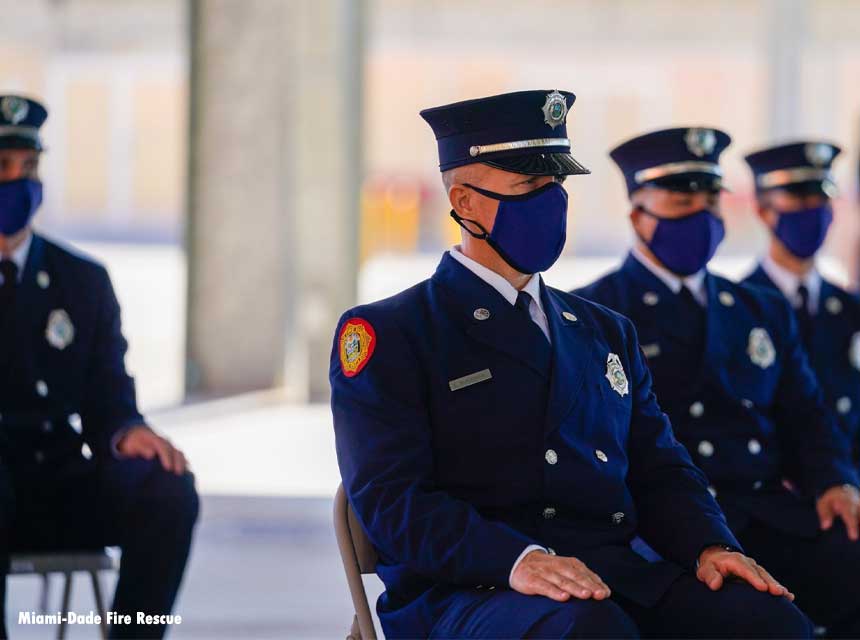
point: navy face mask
(530, 229)
(685, 245)
(803, 232)
(19, 200)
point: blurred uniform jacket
(558, 445)
(65, 392)
(740, 393)
(833, 347)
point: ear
(767, 215)
(461, 199)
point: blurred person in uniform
(731, 372)
(79, 467)
(499, 440)
(794, 188)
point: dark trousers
(133, 504)
(689, 609)
(822, 572)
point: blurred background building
(249, 168)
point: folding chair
(67, 563)
(359, 557)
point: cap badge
(14, 109)
(818, 154)
(700, 142)
(760, 348)
(554, 109)
(854, 352)
(615, 374)
(60, 331)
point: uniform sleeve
(385, 453)
(110, 403)
(677, 515)
(817, 446)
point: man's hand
(143, 442)
(540, 573)
(842, 501)
(716, 564)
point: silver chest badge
(615, 375)
(760, 348)
(700, 142)
(854, 351)
(60, 331)
(554, 109)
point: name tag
(469, 380)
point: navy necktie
(804, 319)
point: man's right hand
(556, 577)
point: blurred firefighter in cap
(79, 467)
(499, 440)
(730, 371)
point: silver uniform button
(650, 298)
(42, 388)
(481, 314)
(706, 448)
(747, 403)
(712, 491)
(43, 279)
(551, 456)
(47, 426)
(726, 299)
(843, 405)
(757, 485)
(75, 422)
(600, 455)
(548, 513)
(833, 305)
(39, 456)
(618, 517)
(754, 446)
(697, 409)
(567, 315)
(86, 452)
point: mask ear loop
(484, 235)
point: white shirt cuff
(526, 551)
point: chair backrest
(358, 557)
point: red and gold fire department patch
(357, 342)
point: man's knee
(169, 496)
(592, 619)
(775, 617)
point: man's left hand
(716, 564)
(142, 442)
(842, 501)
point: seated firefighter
(79, 467)
(499, 440)
(730, 370)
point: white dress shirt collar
(789, 283)
(695, 283)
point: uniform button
(726, 299)
(843, 405)
(42, 388)
(548, 513)
(833, 305)
(650, 298)
(706, 448)
(47, 426)
(43, 279)
(712, 491)
(550, 551)
(697, 409)
(1, 417)
(600, 455)
(481, 314)
(75, 422)
(747, 403)
(618, 517)
(86, 452)
(567, 315)
(39, 456)
(757, 485)
(754, 446)
(551, 456)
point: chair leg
(67, 599)
(100, 605)
(44, 593)
(355, 631)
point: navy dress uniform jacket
(752, 412)
(452, 483)
(833, 349)
(55, 398)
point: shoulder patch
(357, 342)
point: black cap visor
(538, 164)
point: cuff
(526, 551)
